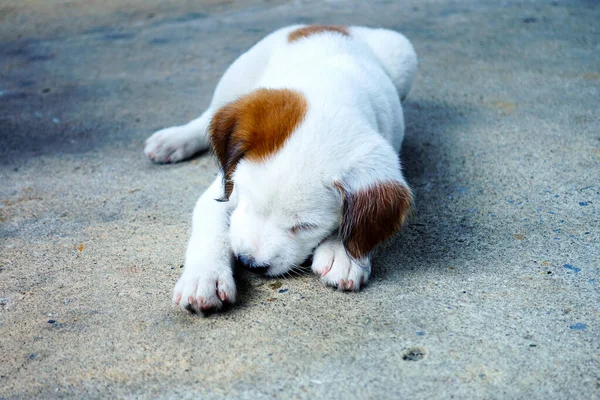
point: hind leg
(179, 142)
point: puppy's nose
(250, 263)
(247, 261)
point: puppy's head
(293, 186)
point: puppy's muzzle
(250, 264)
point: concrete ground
(491, 292)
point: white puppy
(307, 126)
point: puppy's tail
(395, 52)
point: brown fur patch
(373, 215)
(254, 127)
(315, 29)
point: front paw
(170, 145)
(338, 269)
(201, 290)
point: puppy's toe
(204, 292)
(338, 269)
(170, 145)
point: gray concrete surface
(491, 292)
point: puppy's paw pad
(338, 269)
(169, 145)
(202, 292)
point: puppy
(307, 126)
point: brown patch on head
(372, 215)
(254, 127)
(315, 29)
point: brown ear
(372, 215)
(227, 148)
(254, 127)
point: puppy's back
(395, 53)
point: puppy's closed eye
(304, 227)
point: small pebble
(51, 321)
(572, 268)
(283, 290)
(578, 326)
(275, 285)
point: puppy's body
(307, 125)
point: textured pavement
(491, 292)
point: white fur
(334, 266)
(352, 133)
